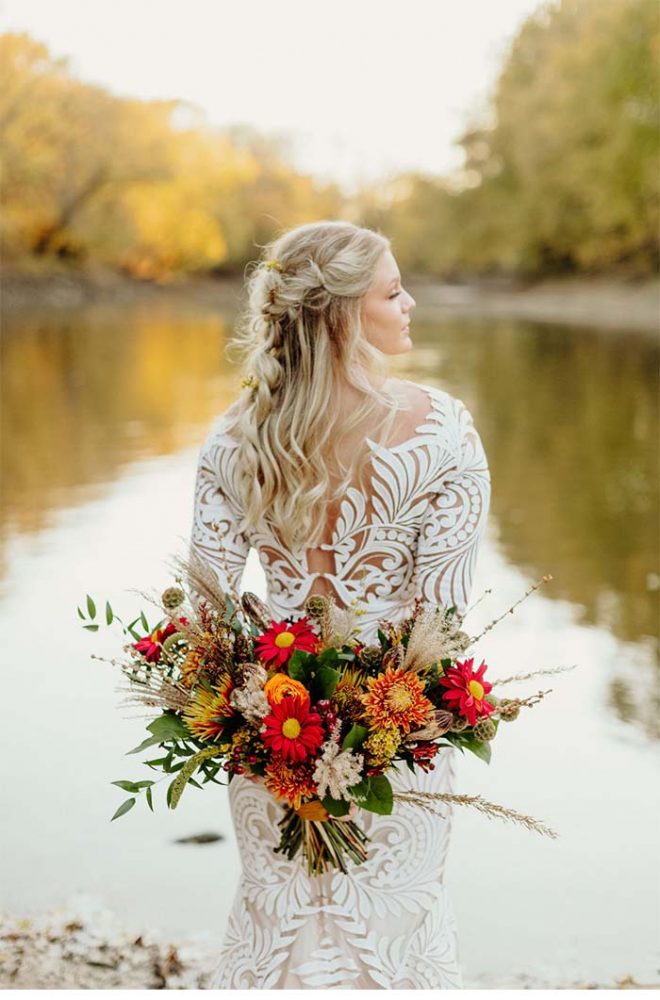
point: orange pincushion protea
(280, 685)
(289, 782)
(206, 713)
(279, 643)
(396, 698)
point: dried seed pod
(256, 610)
(172, 597)
(316, 606)
(439, 724)
(485, 730)
(459, 724)
(508, 709)
(394, 657)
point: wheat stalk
(534, 673)
(425, 800)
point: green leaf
(91, 607)
(124, 807)
(126, 786)
(479, 748)
(329, 657)
(298, 665)
(355, 737)
(145, 623)
(108, 613)
(374, 794)
(150, 799)
(169, 726)
(336, 807)
(151, 741)
(326, 681)
(80, 614)
(92, 628)
(185, 774)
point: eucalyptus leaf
(91, 607)
(108, 613)
(124, 808)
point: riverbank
(83, 945)
(603, 302)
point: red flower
(424, 753)
(150, 646)
(279, 643)
(466, 690)
(291, 730)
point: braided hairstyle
(301, 337)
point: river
(104, 410)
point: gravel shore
(83, 945)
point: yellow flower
(381, 745)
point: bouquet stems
(325, 844)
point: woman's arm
(454, 523)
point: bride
(368, 489)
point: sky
(365, 88)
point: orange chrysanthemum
(280, 685)
(205, 715)
(289, 782)
(396, 698)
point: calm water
(104, 411)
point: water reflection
(569, 419)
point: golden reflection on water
(568, 417)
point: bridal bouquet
(307, 708)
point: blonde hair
(302, 336)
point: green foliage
(354, 738)
(374, 794)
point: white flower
(336, 771)
(251, 702)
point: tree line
(559, 176)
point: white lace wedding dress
(388, 924)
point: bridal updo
(300, 339)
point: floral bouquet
(304, 706)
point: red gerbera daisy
(151, 645)
(278, 643)
(466, 690)
(291, 730)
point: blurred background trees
(561, 176)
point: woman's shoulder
(429, 399)
(221, 432)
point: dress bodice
(416, 533)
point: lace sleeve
(215, 536)
(454, 521)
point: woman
(372, 490)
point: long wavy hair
(301, 335)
